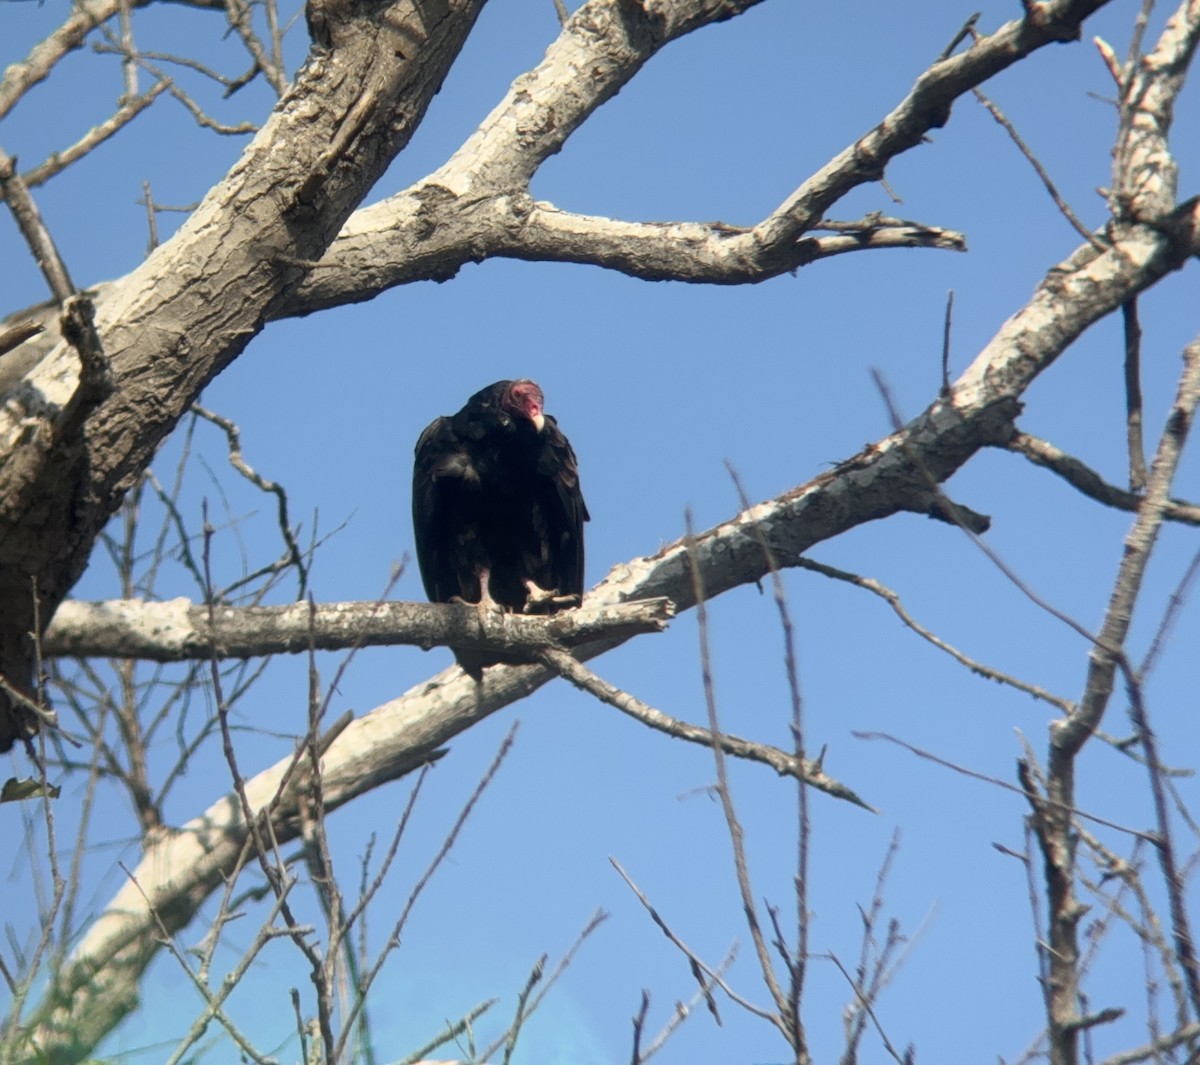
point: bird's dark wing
(564, 509)
(442, 458)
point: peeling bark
(190, 309)
(179, 630)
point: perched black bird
(497, 509)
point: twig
(694, 961)
(894, 601)
(393, 939)
(898, 425)
(784, 1021)
(75, 882)
(49, 909)
(178, 60)
(275, 36)
(597, 918)
(1133, 395)
(301, 1027)
(1148, 929)
(879, 966)
(514, 1029)
(310, 790)
(239, 18)
(1069, 734)
(1089, 482)
(866, 1005)
(974, 774)
(44, 714)
(174, 519)
(151, 217)
(1033, 160)
(1174, 606)
(639, 1021)
(945, 390)
(683, 1010)
(1160, 1046)
(239, 463)
(15, 335)
(451, 1031)
(129, 67)
(57, 162)
(967, 30)
(797, 964)
(360, 908)
(783, 763)
(213, 1001)
(19, 78)
(33, 229)
(260, 830)
(1185, 950)
(197, 112)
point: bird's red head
(524, 399)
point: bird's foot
(539, 600)
(487, 606)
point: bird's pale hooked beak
(539, 420)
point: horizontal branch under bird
(179, 629)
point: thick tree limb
(178, 630)
(189, 310)
(1145, 174)
(927, 106)
(418, 238)
(477, 205)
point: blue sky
(658, 385)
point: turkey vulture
(497, 509)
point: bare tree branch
(33, 229)
(179, 629)
(85, 16)
(1160, 1046)
(1133, 396)
(802, 769)
(476, 186)
(1081, 476)
(97, 135)
(893, 600)
(1062, 205)
(699, 968)
(1071, 732)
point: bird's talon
(543, 601)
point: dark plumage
(497, 506)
